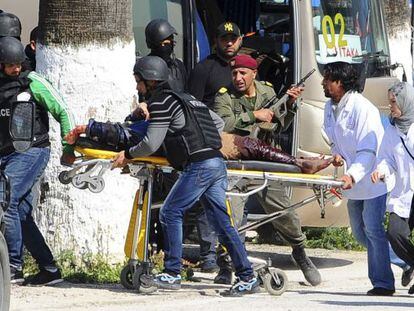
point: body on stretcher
(88, 171)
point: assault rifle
(279, 107)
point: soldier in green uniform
(241, 108)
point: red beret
(244, 61)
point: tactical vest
(198, 139)
(9, 90)
(176, 77)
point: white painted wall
(96, 82)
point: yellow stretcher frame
(321, 184)
(89, 153)
(88, 170)
(294, 178)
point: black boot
(407, 276)
(309, 270)
(225, 274)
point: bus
(289, 38)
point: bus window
(273, 39)
(350, 31)
(146, 10)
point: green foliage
(30, 266)
(158, 261)
(95, 269)
(331, 238)
(91, 268)
(81, 269)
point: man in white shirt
(353, 125)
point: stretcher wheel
(142, 282)
(275, 282)
(147, 284)
(78, 183)
(126, 277)
(136, 281)
(97, 185)
(64, 177)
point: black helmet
(10, 25)
(11, 51)
(158, 30)
(151, 68)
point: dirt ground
(344, 286)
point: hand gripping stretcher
(87, 173)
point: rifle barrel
(275, 100)
(306, 77)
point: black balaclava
(164, 51)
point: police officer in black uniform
(159, 35)
(10, 25)
(25, 168)
(188, 130)
(214, 72)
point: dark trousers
(206, 235)
(273, 199)
(399, 233)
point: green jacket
(47, 96)
(237, 112)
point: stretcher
(87, 173)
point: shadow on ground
(282, 261)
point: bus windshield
(351, 31)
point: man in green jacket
(25, 168)
(241, 108)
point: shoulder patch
(268, 84)
(223, 90)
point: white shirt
(398, 167)
(356, 134)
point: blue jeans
(205, 181)
(24, 170)
(367, 218)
